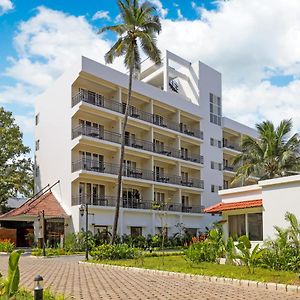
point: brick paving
(85, 281)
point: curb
(238, 282)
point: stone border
(239, 282)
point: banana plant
(11, 282)
(248, 257)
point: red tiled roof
(219, 207)
(47, 203)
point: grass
(179, 264)
(24, 294)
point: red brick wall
(10, 234)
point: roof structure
(47, 203)
(221, 206)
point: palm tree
(138, 30)
(273, 154)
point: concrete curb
(238, 282)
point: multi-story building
(178, 146)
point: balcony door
(158, 146)
(158, 173)
(131, 198)
(185, 203)
(129, 168)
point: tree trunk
(117, 211)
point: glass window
(37, 119)
(136, 231)
(215, 109)
(255, 227)
(237, 226)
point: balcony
(229, 168)
(100, 101)
(134, 143)
(108, 168)
(232, 146)
(109, 201)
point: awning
(33, 207)
(219, 207)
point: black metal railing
(232, 146)
(108, 168)
(135, 203)
(229, 168)
(96, 133)
(135, 143)
(95, 166)
(100, 101)
(94, 200)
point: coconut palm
(138, 30)
(275, 153)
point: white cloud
(26, 123)
(47, 44)
(179, 15)
(248, 41)
(161, 10)
(101, 14)
(5, 6)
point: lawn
(179, 264)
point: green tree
(16, 171)
(275, 153)
(138, 30)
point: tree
(138, 30)
(16, 171)
(275, 153)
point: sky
(254, 44)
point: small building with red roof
(255, 210)
(42, 212)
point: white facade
(174, 152)
(278, 196)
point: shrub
(111, 252)
(249, 257)
(209, 249)
(6, 246)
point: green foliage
(273, 154)
(9, 286)
(120, 251)
(23, 294)
(6, 246)
(212, 248)
(283, 253)
(16, 172)
(75, 242)
(249, 257)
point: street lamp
(85, 207)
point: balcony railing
(232, 146)
(134, 143)
(109, 201)
(108, 168)
(229, 168)
(100, 101)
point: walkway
(83, 281)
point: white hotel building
(178, 149)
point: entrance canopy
(34, 207)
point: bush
(111, 252)
(209, 249)
(6, 246)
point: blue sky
(255, 44)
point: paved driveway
(83, 281)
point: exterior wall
(58, 150)
(279, 196)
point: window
(37, 171)
(158, 120)
(215, 165)
(215, 109)
(237, 226)
(37, 145)
(215, 143)
(158, 146)
(255, 227)
(184, 153)
(159, 197)
(225, 184)
(215, 188)
(37, 119)
(136, 231)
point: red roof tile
(219, 207)
(47, 203)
